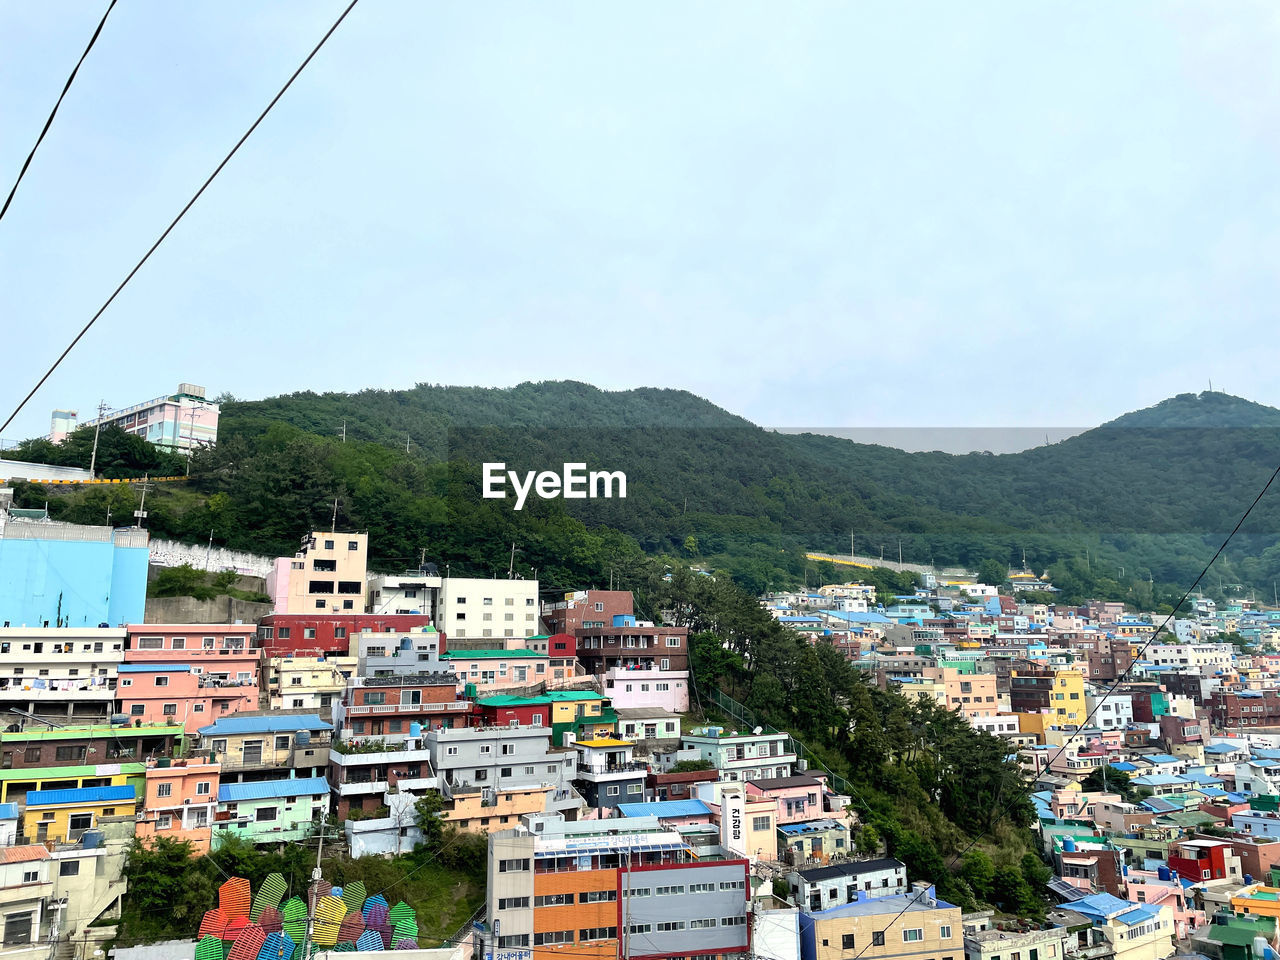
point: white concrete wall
(169, 553)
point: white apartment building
(1109, 712)
(472, 609)
(1197, 656)
(60, 671)
(308, 683)
(405, 593)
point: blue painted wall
(95, 583)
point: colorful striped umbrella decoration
(235, 926)
(406, 924)
(248, 944)
(270, 920)
(209, 948)
(376, 902)
(234, 897)
(321, 888)
(345, 946)
(270, 893)
(295, 919)
(278, 946)
(353, 895)
(408, 943)
(384, 930)
(352, 927)
(329, 914)
(369, 941)
(213, 923)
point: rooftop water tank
(1164, 873)
(415, 729)
(91, 839)
(1069, 845)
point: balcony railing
(365, 709)
(607, 768)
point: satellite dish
(758, 730)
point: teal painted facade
(80, 582)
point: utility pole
(141, 513)
(406, 442)
(93, 458)
(344, 431)
(512, 566)
(311, 896)
(208, 550)
(333, 524)
(626, 926)
(191, 439)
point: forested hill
(1137, 500)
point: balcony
(367, 709)
(611, 769)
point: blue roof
(809, 826)
(1138, 915)
(154, 668)
(799, 620)
(288, 723)
(272, 789)
(1219, 748)
(1124, 765)
(1161, 758)
(1101, 905)
(36, 798)
(854, 617)
(665, 808)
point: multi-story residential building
(1242, 712)
(270, 811)
(631, 644)
(497, 774)
(562, 654)
(1110, 711)
(36, 748)
(581, 714)
(743, 756)
(16, 784)
(813, 840)
(1057, 693)
(986, 940)
(66, 673)
(973, 694)
(1197, 657)
(179, 802)
(327, 575)
(648, 724)
(409, 593)
(184, 420)
(361, 775)
(1132, 931)
(26, 887)
(608, 774)
(591, 891)
(64, 815)
(1205, 860)
(323, 635)
(665, 689)
(820, 888)
(680, 786)
(175, 693)
(308, 683)
(257, 746)
(491, 671)
(222, 652)
(70, 576)
(471, 609)
(587, 608)
(401, 683)
(914, 925)
(799, 798)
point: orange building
(175, 693)
(178, 802)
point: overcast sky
(845, 215)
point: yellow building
(904, 927)
(326, 576)
(1058, 693)
(65, 815)
(308, 683)
(1257, 900)
(478, 812)
(16, 783)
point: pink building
(664, 689)
(227, 652)
(799, 798)
(176, 694)
(1145, 886)
(179, 800)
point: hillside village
(569, 731)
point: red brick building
(308, 635)
(587, 608)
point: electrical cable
(54, 112)
(1123, 677)
(181, 213)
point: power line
(54, 112)
(190, 203)
(1103, 699)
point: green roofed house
(270, 811)
(584, 714)
(492, 671)
(1229, 937)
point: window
(705, 924)
(846, 942)
(308, 633)
(164, 821)
(674, 891)
(69, 753)
(670, 926)
(944, 932)
(295, 681)
(877, 938)
(673, 641)
(733, 884)
(353, 544)
(169, 710)
(284, 633)
(17, 928)
(162, 681)
(598, 933)
(611, 791)
(282, 742)
(31, 755)
(512, 903)
(179, 643)
(513, 866)
(552, 937)
(641, 928)
(150, 643)
(69, 868)
(914, 935)
(30, 876)
(80, 821)
(554, 900)
(265, 814)
(598, 896)
(202, 788)
(164, 790)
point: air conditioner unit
(513, 723)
